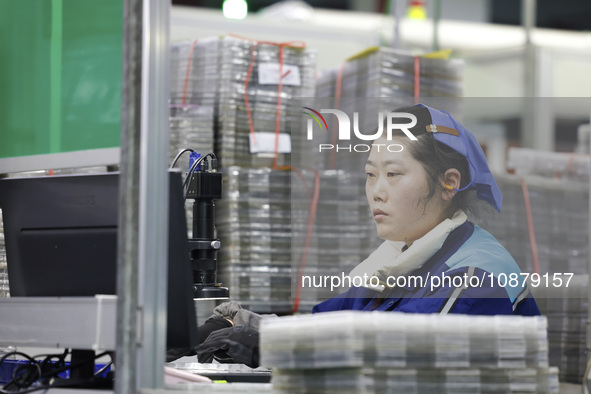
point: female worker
(433, 259)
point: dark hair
(436, 159)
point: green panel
(60, 75)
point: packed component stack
(556, 188)
(549, 164)
(194, 68)
(377, 80)
(342, 236)
(249, 94)
(383, 352)
(566, 310)
(254, 227)
(560, 217)
(583, 132)
(4, 290)
(252, 111)
(194, 74)
(263, 222)
(191, 126)
(388, 72)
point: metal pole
(396, 18)
(528, 21)
(436, 18)
(153, 235)
(128, 245)
(587, 382)
(537, 127)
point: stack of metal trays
(381, 352)
(387, 72)
(549, 164)
(560, 215)
(194, 71)
(264, 221)
(566, 309)
(343, 235)
(251, 69)
(254, 226)
(191, 126)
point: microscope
(204, 186)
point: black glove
(239, 344)
(203, 332)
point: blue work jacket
(468, 251)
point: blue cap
(448, 131)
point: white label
(265, 143)
(269, 74)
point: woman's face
(397, 190)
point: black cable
(73, 366)
(187, 181)
(13, 384)
(43, 375)
(178, 156)
(103, 369)
(22, 377)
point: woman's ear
(451, 181)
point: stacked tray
(261, 86)
(194, 69)
(344, 232)
(377, 352)
(263, 221)
(254, 225)
(560, 214)
(191, 126)
(549, 164)
(566, 309)
(387, 72)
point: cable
(178, 156)
(213, 166)
(7, 389)
(103, 369)
(14, 384)
(190, 174)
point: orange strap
(281, 45)
(571, 159)
(530, 227)
(337, 104)
(312, 218)
(187, 72)
(417, 91)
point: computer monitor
(61, 241)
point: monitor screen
(61, 240)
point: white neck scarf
(388, 259)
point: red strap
(281, 45)
(530, 227)
(571, 161)
(312, 218)
(417, 92)
(337, 104)
(188, 71)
